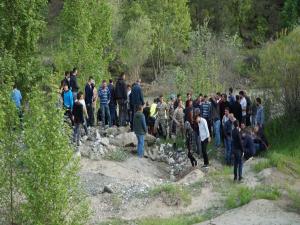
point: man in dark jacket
(136, 98)
(236, 109)
(228, 138)
(112, 104)
(215, 116)
(74, 84)
(89, 94)
(248, 145)
(121, 98)
(140, 129)
(238, 151)
(78, 118)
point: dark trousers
(90, 111)
(248, 121)
(238, 165)
(68, 113)
(113, 114)
(122, 111)
(204, 151)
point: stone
(107, 189)
(104, 141)
(171, 161)
(150, 140)
(124, 140)
(192, 177)
(112, 131)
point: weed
(241, 195)
(178, 220)
(294, 196)
(118, 155)
(172, 194)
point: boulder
(152, 153)
(124, 140)
(192, 177)
(112, 131)
(150, 140)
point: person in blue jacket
(16, 97)
(136, 98)
(68, 102)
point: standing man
(178, 118)
(231, 97)
(112, 103)
(161, 120)
(66, 81)
(121, 98)
(74, 84)
(215, 115)
(236, 109)
(204, 136)
(248, 109)
(140, 129)
(238, 152)
(205, 111)
(136, 98)
(260, 115)
(89, 94)
(68, 102)
(243, 103)
(78, 118)
(170, 116)
(228, 126)
(94, 104)
(104, 96)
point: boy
(140, 129)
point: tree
(86, 37)
(21, 26)
(137, 45)
(290, 13)
(279, 74)
(171, 25)
(49, 182)
(9, 154)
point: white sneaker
(77, 154)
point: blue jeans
(113, 114)
(105, 115)
(228, 150)
(238, 165)
(140, 146)
(217, 126)
(76, 134)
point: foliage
(290, 13)
(85, 38)
(10, 131)
(280, 72)
(22, 24)
(177, 220)
(172, 193)
(49, 180)
(137, 45)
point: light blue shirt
(16, 97)
(260, 116)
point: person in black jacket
(74, 84)
(89, 94)
(112, 104)
(238, 151)
(136, 99)
(121, 98)
(236, 109)
(78, 118)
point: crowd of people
(232, 121)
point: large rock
(124, 140)
(104, 141)
(192, 177)
(152, 153)
(150, 140)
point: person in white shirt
(85, 114)
(243, 103)
(202, 131)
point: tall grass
(284, 138)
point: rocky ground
(119, 185)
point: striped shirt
(104, 96)
(206, 110)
